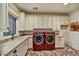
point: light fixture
(35, 8)
(65, 3)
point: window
(12, 26)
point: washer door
(50, 39)
(38, 39)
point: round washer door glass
(38, 39)
(50, 39)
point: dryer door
(50, 39)
(38, 39)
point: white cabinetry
(27, 44)
(54, 23)
(19, 50)
(30, 43)
(30, 22)
(64, 20)
(59, 42)
(27, 22)
(58, 22)
(45, 23)
(50, 22)
(67, 20)
(35, 21)
(22, 21)
(40, 18)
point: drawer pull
(15, 51)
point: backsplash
(26, 32)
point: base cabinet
(19, 50)
(59, 42)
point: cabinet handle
(15, 51)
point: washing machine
(49, 41)
(38, 41)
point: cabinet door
(62, 20)
(50, 22)
(30, 43)
(30, 22)
(35, 21)
(27, 45)
(57, 43)
(58, 23)
(67, 20)
(62, 42)
(54, 23)
(45, 22)
(27, 22)
(21, 49)
(40, 21)
(22, 20)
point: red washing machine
(49, 41)
(38, 41)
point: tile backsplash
(26, 32)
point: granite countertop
(11, 44)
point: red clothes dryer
(38, 41)
(49, 41)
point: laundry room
(39, 29)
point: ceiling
(48, 7)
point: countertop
(11, 44)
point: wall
(45, 21)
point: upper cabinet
(54, 26)
(30, 21)
(46, 21)
(58, 22)
(49, 22)
(3, 17)
(22, 21)
(40, 19)
(64, 20)
(35, 21)
(27, 22)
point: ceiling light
(65, 3)
(35, 8)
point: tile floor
(67, 51)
